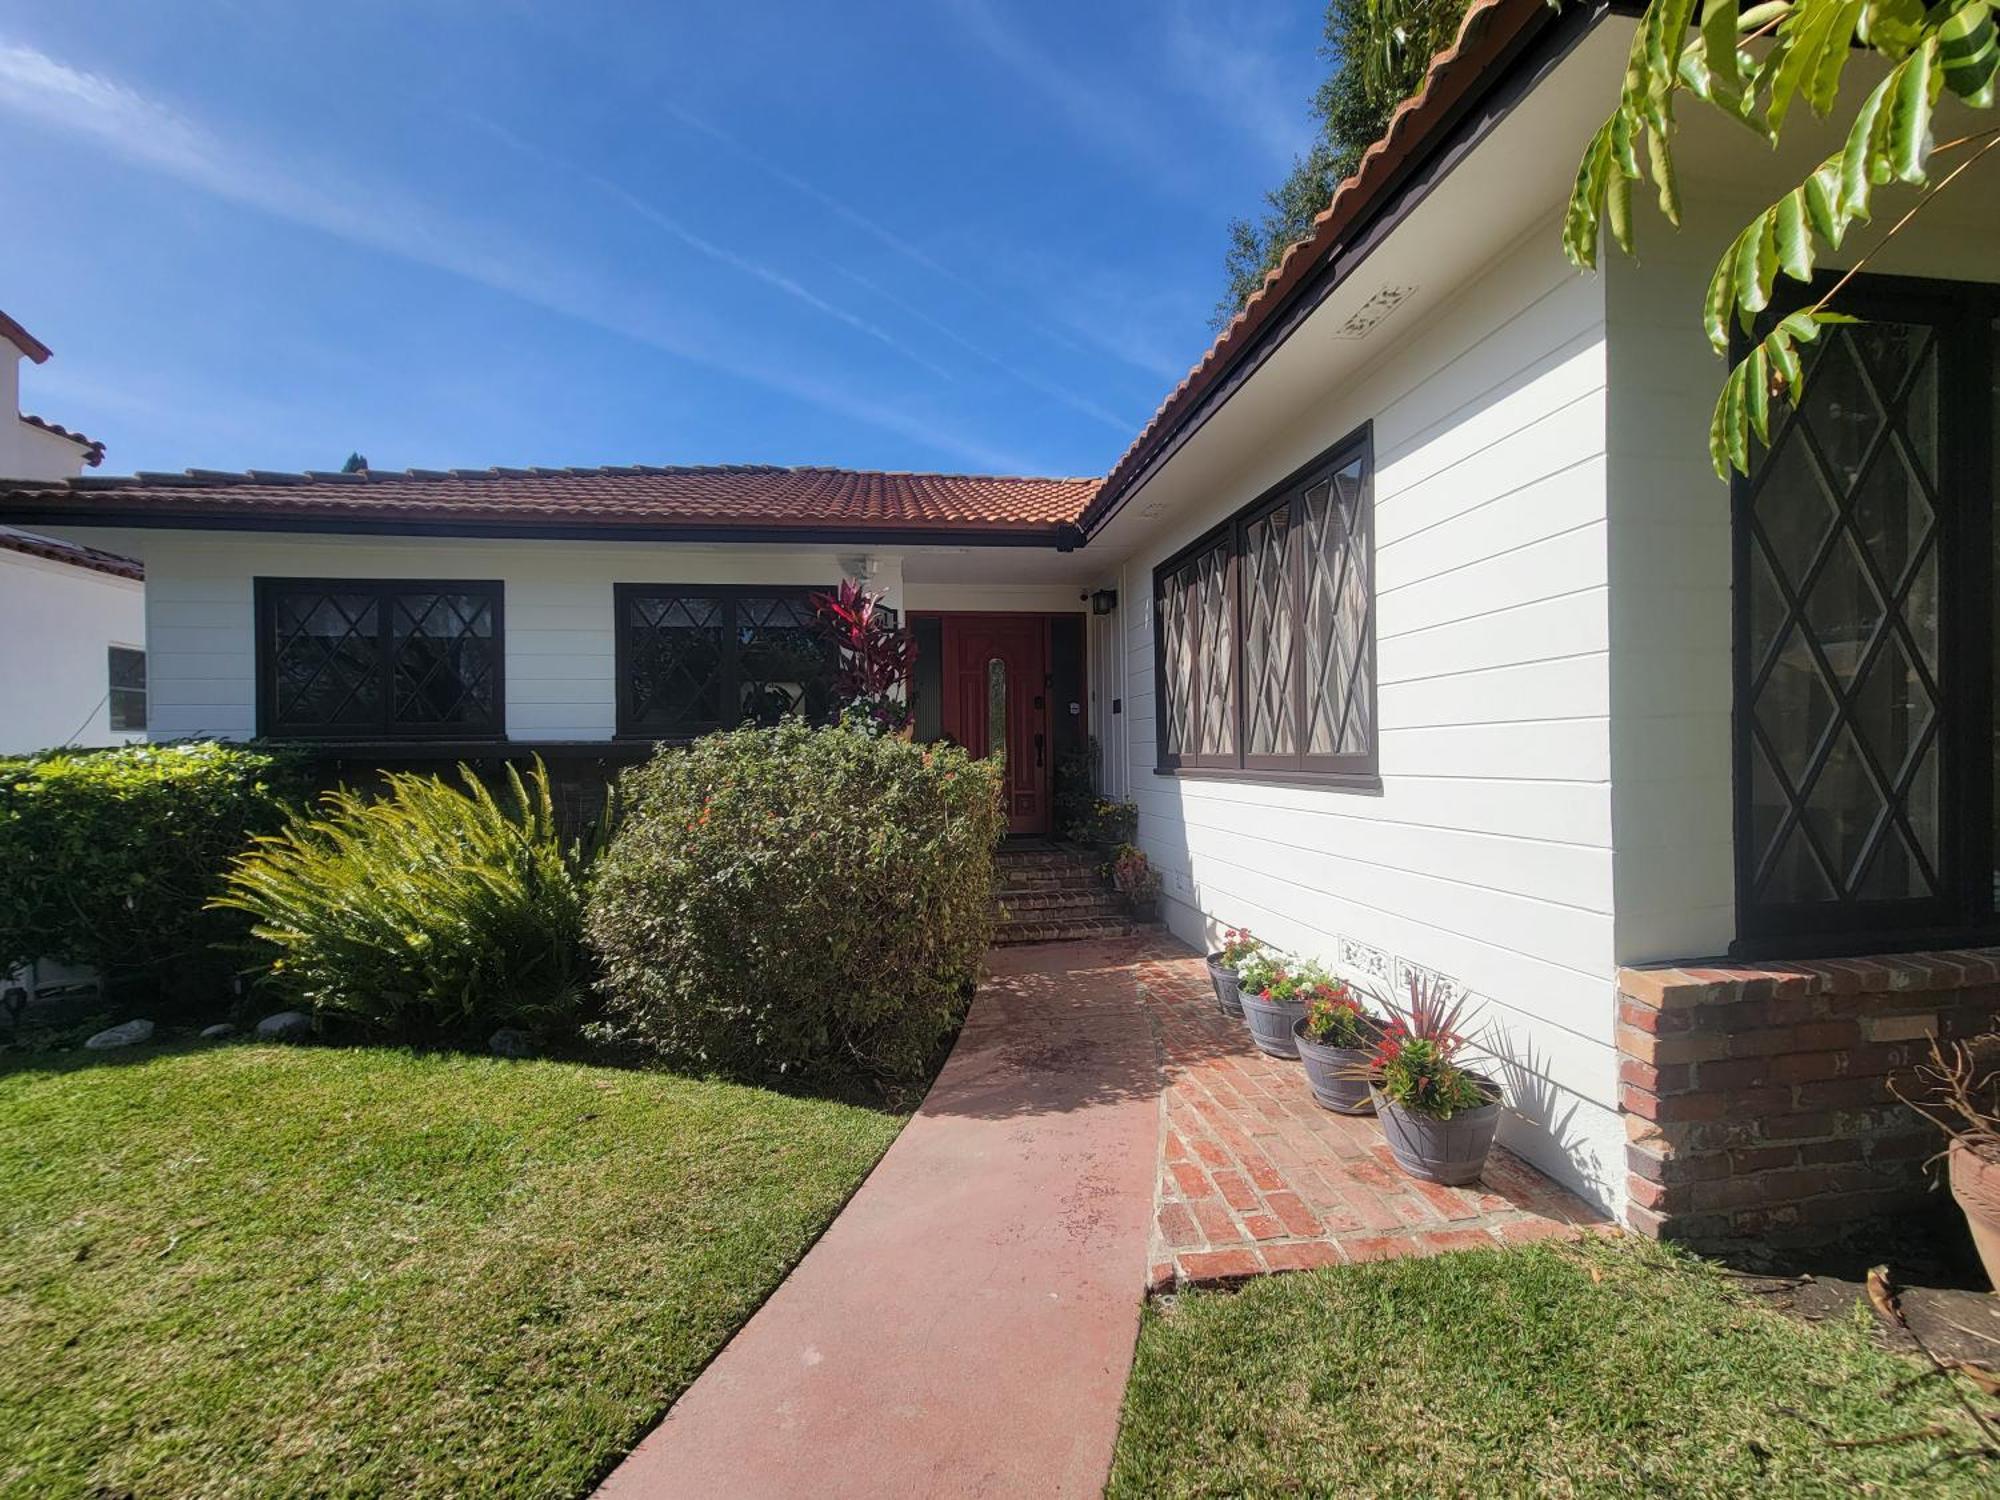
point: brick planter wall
(1756, 1098)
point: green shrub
(428, 912)
(109, 857)
(1075, 797)
(813, 902)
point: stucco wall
(1486, 854)
(57, 624)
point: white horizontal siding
(1487, 853)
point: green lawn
(1517, 1373)
(269, 1271)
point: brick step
(1071, 882)
(1044, 859)
(1094, 899)
(1066, 930)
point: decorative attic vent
(1361, 322)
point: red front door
(996, 699)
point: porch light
(1103, 601)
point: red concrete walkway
(966, 1325)
(1254, 1176)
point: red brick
(1842, 1093)
(1654, 1195)
(1176, 1147)
(1236, 1192)
(1657, 1080)
(1217, 1227)
(1263, 1227)
(1306, 1257)
(1193, 1182)
(1450, 1203)
(1160, 1277)
(1524, 1231)
(1177, 1226)
(1261, 1172)
(1369, 1208)
(1210, 1152)
(1734, 1073)
(1220, 1265)
(1293, 1213)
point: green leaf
(1772, 367)
(1794, 235)
(1969, 49)
(1807, 56)
(1892, 27)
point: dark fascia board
(1527, 59)
(151, 518)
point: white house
(1414, 623)
(72, 617)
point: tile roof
(93, 451)
(69, 552)
(23, 340)
(1455, 76)
(764, 497)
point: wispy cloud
(148, 133)
(1226, 55)
(1108, 117)
(864, 222)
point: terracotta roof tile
(23, 340)
(636, 495)
(69, 552)
(93, 451)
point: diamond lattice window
(1865, 668)
(691, 661)
(1266, 633)
(358, 658)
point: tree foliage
(1380, 49)
(1948, 47)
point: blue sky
(933, 234)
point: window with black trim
(693, 658)
(127, 668)
(362, 658)
(1865, 632)
(1265, 632)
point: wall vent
(1361, 322)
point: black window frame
(1359, 771)
(120, 720)
(1965, 912)
(268, 592)
(626, 726)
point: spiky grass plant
(429, 912)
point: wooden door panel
(996, 698)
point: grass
(1612, 1369)
(273, 1271)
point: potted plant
(1960, 1094)
(1336, 1041)
(1437, 1115)
(1237, 949)
(1112, 826)
(1138, 882)
(1274, 1000)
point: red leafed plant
(877, 655)
(1415, 1062)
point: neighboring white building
(1414, 624)
(72, 617)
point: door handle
(1038, 751)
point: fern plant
(430, 912)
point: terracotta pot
(1271, 1023)
(1452, 1152)
(1228, 988)
(1975, 1184)
(1336, 1075)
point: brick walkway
(1254, 1176)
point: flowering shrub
(1238, 947)
(1283, 982)
(1415, 1058)
(799, 901)
(1334, 1018)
